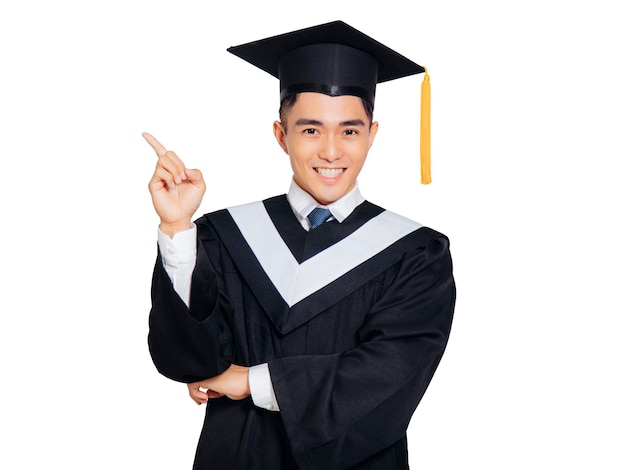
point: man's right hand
(176, 191)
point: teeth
(329, 172)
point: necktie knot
(318, 216)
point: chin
(326, 199)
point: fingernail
(183, 176)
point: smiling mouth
(330, 172)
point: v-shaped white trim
(296, 281)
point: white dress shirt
(302, 204)
(179, 258)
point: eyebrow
(315, 122)
(308, 122)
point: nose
(331, 148)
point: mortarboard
(337, 59)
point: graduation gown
(352, 319)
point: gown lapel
(296, 274)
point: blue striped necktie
(318, 216)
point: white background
(528, 148)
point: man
(311, 338)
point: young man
(311, 338)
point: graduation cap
(337, 59)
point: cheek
(300, 152)
(358, 152)
(298, 164)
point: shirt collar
(303, 203)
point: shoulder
(423, 249)
(418, 234)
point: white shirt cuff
(179, 259)
(261, 387)
(181, 247)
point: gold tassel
(425, 130)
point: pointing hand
(176, 191)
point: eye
(310, 131)
(350, 132)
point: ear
(280, 134)
(373, 132)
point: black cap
(332, 58)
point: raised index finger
(155, 144)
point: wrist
(172, 228)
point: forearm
(189, 340)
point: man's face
(327, 139)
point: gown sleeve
(340, 409)
(195, 343)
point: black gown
(352, 336)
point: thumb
(193, 174)
(195, 178)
